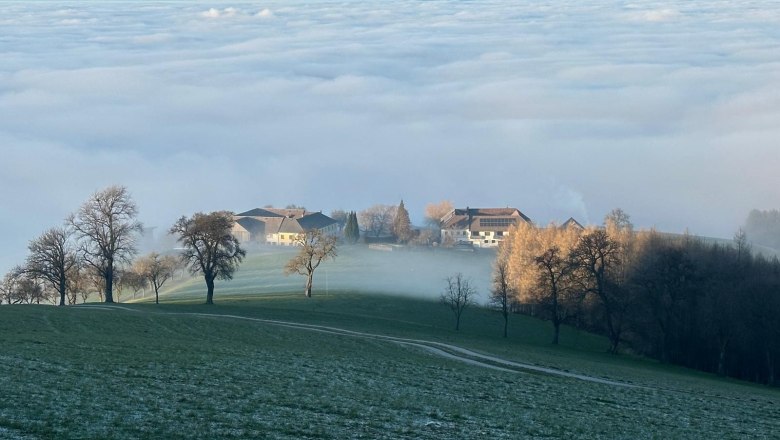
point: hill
(255, 365)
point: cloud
(654, 15)
(265, 13)
(220, 13)
(666, 109)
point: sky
(669, 110)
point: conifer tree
(402, 226)
(351, 229)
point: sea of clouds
(667, 109)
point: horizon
(666, 110)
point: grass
(86, 372)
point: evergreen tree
(402, 226)
(351, 229)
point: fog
(667, 109)
(405, 271)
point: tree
(20, 286)
(340, 216)
(10, 283)
(314, 247)
(132, 280)
(78, 283)
(402, 226)
(618, 218)
(435, 212)
(378, 219)
(107, 229)
(763, 227)
(352, 229)
(502, 294)
(156, 270)
(741, 244)
(52, 259)
(554, 286)
(595, 255)
(458, 294)
(294, 206)
(209, 247)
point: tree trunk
(157, 295)
(722, 358)
(457, 321)
(506, 321)
(210, 291)
(110, 282)
(556, 332)
(62, 289)
(309, 282)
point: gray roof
(572, 223)
(316, 220)
(259, 212)
(252, 225)
(271, 221)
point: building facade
(479, 227)
(280, 226)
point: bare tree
(315, 247)
(107, 229)
(502, 293)
(617, 218)
(435, 212)
(595, 255)
(458, 294)
(209, 247)
(52, 259)
(378, 219)
(9, 285)
(132, 280)
(554, 286)
(340, 216)
(156, 269)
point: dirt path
(441, 349)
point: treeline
(94, 253)
(678, 299)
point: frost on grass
(210, 378)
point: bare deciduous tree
(130, 279)
(209, 247)
(107, 229)
(435, 212)
(52, 259)
(315, 247)
(378, 219)
(502, 293)
(595, 255)
(458, 294)
(554, 286)
(156, 269)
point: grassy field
(162, 371)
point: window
(499, 233)
(486, 241)
(492, 241)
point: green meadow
(260, 363)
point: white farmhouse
(480, 227)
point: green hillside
(265, 362)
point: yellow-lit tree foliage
(524, 244)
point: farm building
(481, 227)
(279, 226)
